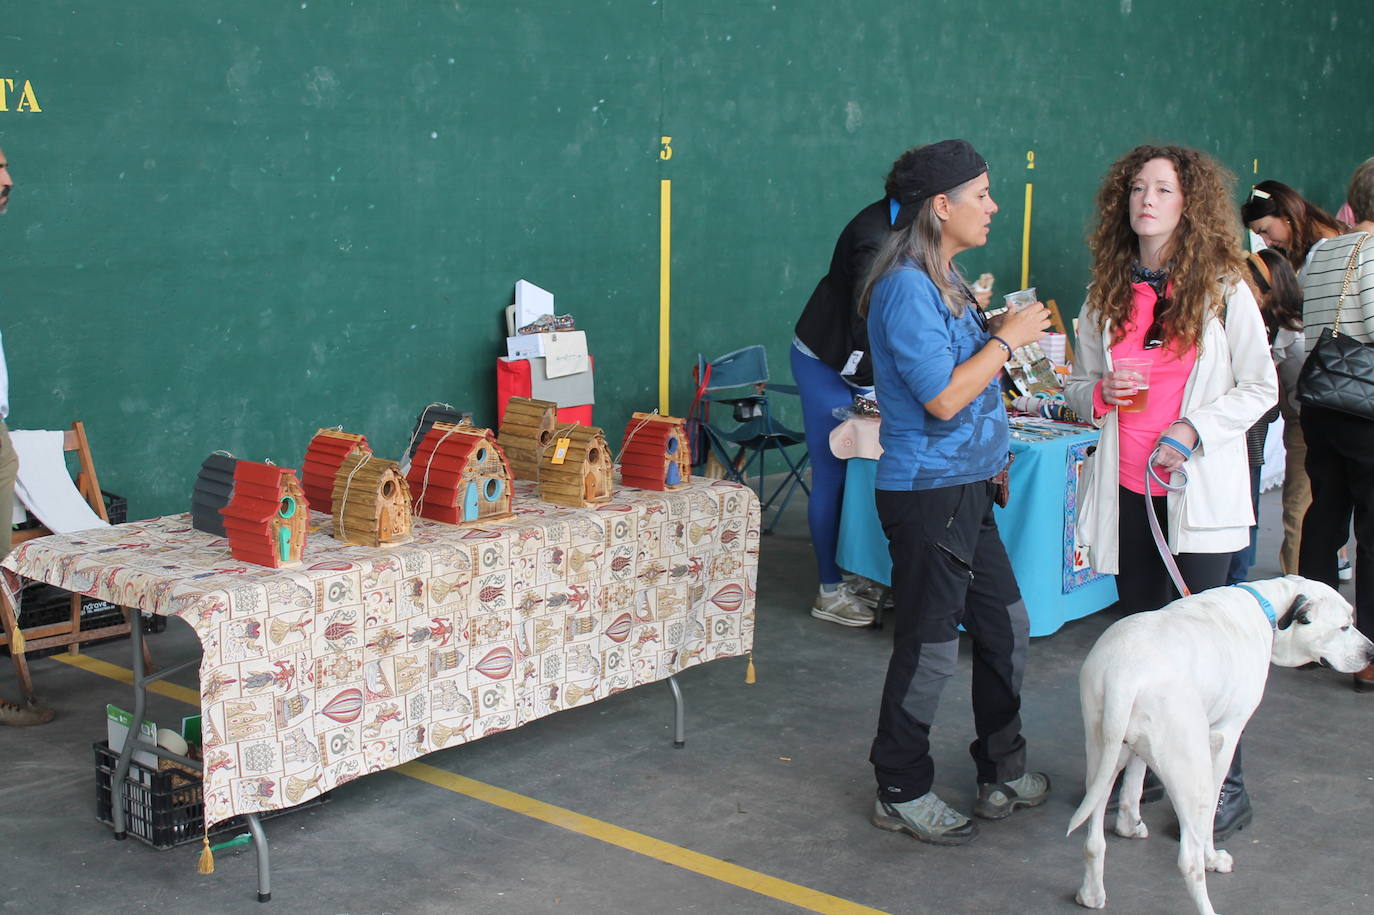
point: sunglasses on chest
(1158, 281)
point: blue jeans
(822, 390)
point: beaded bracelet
(1005, 345)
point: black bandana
(1157, 280)
(935, 169)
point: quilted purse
(1339, 372)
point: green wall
(233, 227)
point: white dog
(1173, 689)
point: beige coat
(1232, 384)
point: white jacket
(1231, 385)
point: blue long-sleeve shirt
(916, 342)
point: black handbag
(1339, 372)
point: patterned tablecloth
(361, 659)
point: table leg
(264, 865)
(679, 718)
(884, 601)
(120, 779)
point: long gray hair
(919, 244)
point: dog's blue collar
(1267, 607)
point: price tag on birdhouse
(560, 451)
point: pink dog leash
(1160, 543)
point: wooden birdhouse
(371, 502)
(526, 431)
(576, 469)
(267, 518)
(460, 476)
(214, 488)
(655, 453)
(327, 451)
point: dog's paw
(1131, 830)
(1091, 899)
(1220, 861)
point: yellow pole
(665, 270)
(1025, 241)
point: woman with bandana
(936, 367)
(1169, 286)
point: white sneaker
(1343, 570)
(839, 606)
(865, 590)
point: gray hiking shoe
(997, 800)
(927, 818)
(839, 606)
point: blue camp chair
(739, 381)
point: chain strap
(1345, 283)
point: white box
(531, 303)
(528, 346)
(525, 346)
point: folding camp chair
(744, 374)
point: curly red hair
(1204, 255)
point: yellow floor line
(123, 675)
(637, 842)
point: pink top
(1140, 432)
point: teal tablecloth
(1037, 528)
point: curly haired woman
(1169, 287)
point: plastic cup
(1140, 368)
(1020, 299)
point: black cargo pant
(949, 568)
(1340, 463)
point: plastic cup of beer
(1020, 299)
(1140, 368)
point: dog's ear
(1296, 612)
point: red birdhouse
(326, 452)
(655, 453)
(460, 476)
(267, 519)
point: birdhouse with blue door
(459, 475)
(267, 518)
(371, 503)
(655, 453)
(576, 469)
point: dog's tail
(1116, 713)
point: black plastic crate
(163, 807)
(44, 604)
(116, 507)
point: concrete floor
(774, 779)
